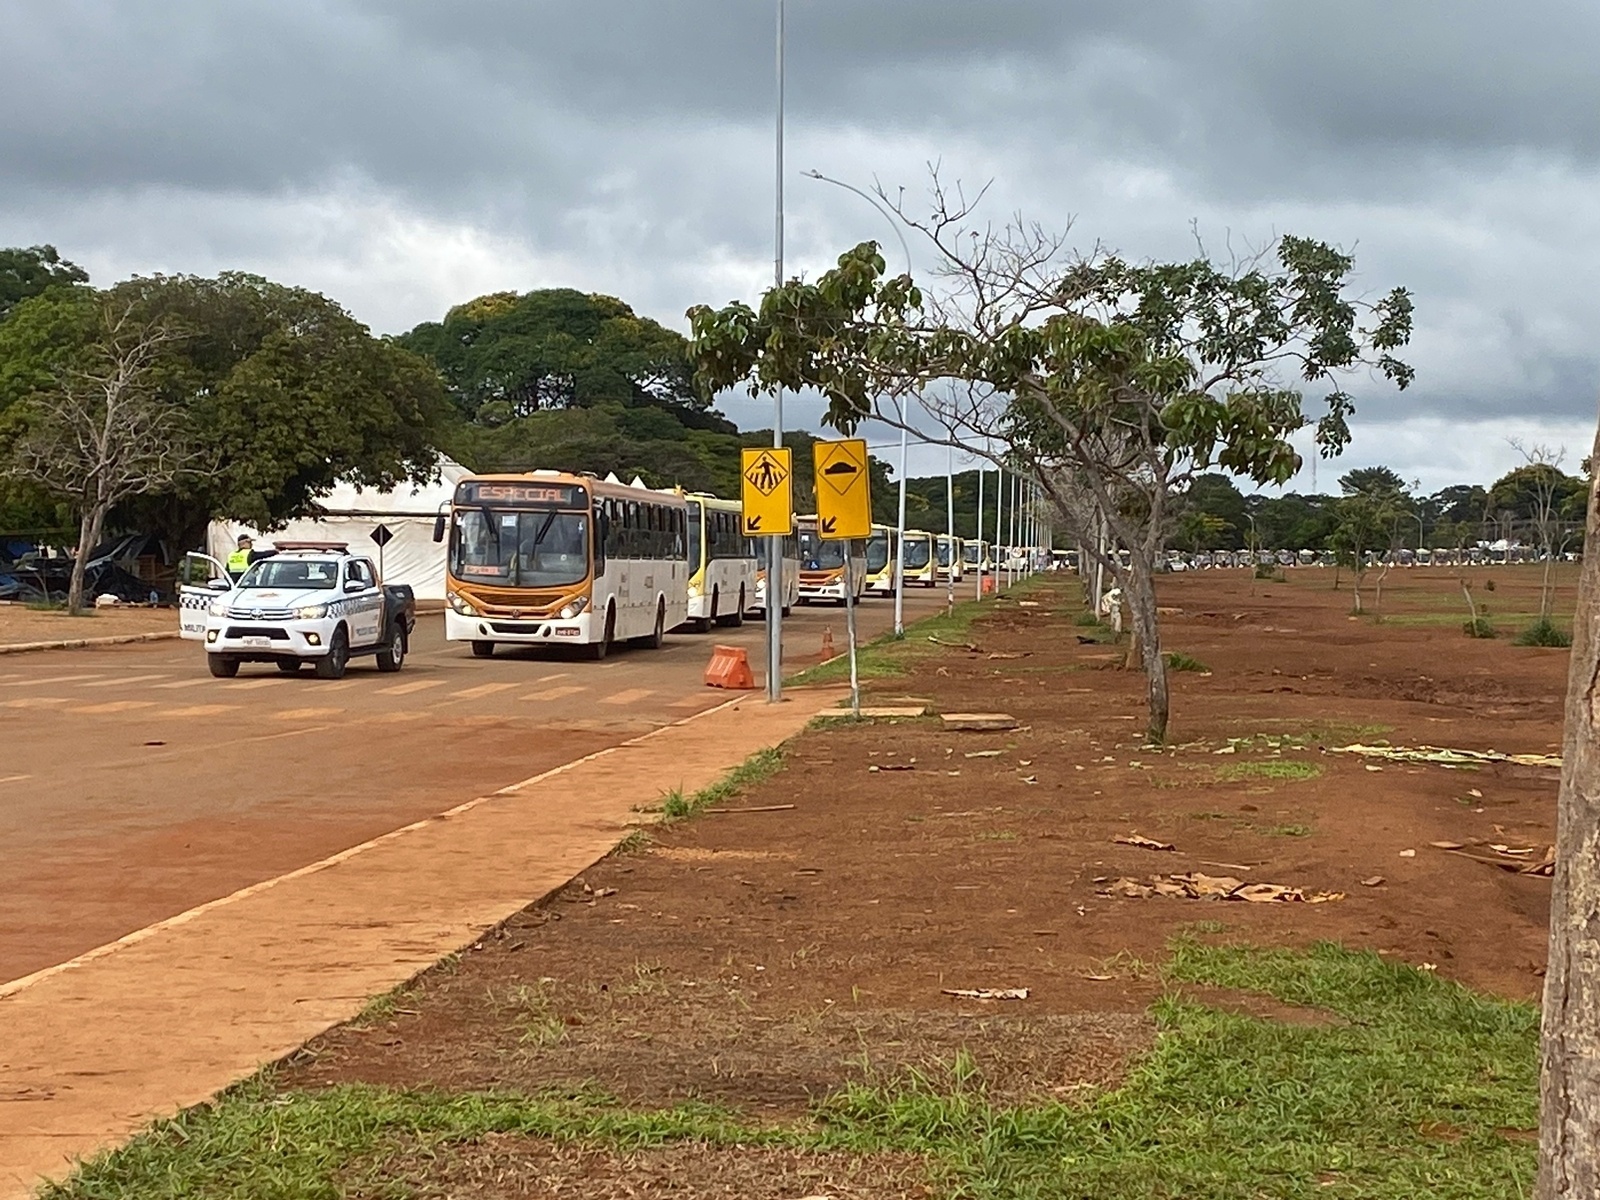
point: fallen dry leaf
(987, 993)
(1447, 845)
(1374, 881)
(1196, 886)
(1144, 843)
(981, 754)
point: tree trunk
(1140, 594)
(1546, 593)
(88, 538)
(1355, 588)
(1377, 600)
(1569, 1085)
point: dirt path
(92, 1049)
(765, 959)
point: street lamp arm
(872, 200)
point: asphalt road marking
(184, 683)
(483, 689)
(122, 680)
(35, 702)
(629, 696)
(202, 710)
(555, 693)
(52, 679)
(113, 706)
(405, 689)
(15, 778)
(690, 702)
(306, 714)
(250, 684)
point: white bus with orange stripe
(822, 564)
(550, 558)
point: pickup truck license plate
(258, 643)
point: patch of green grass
(1479, 627)
(761, 765)
(637, 842)
(1269, 768)
(1086, 620)
(1177, 660)
(1543, 632)
(1407, 1090)
(889, 656)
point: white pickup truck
(308, 602)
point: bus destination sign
(516, 494)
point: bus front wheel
(598, 650)
(735, 618)
(482, 649)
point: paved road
(134, 786)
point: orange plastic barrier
(730, 668)
(988, 585)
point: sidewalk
(95, 1048)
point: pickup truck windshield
(522, 548)
(292, 575)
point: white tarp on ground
(350, 514)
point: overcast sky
(405, 155)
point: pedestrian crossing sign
(768, 497)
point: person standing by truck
(244, 556)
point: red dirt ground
(762, 958)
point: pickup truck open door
(195, 598)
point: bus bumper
(542, 631)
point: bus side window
(601, 533)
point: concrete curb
(120, 639)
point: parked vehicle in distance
(722, 568)
(789, 567)
(975, 556)
(916, 558)
(882, 561)
(823, 564)
(943, 547)
(308, 602)
(553, 558)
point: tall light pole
(900, 407)
(776, 587)
(950, 528)
(979, 533)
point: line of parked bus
(552, 557)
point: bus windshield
(969, 553)
(944, 554)
(877, 553)
(820, 554)
(522, 548)
(916, 553)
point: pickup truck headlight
(218, 608)
(312, 612)
(460, 604)
(568, 611)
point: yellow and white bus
(822, 564)
(550, 558)
(977, 556)
(722, 569)
(916, 558)
(882, 561)
(789, 587)
(945, 543)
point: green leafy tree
(28, 271)
(1373, 481)
(281, 392)
(1368, 524)
(1211, 514)
(1547, 503)
(1124, 380)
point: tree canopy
(27, 271)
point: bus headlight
(460, 604)
(568, 611)
(312, 612)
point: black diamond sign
(383, 535)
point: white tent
(350, 514)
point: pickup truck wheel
(332, 664)
(393, 656)
(288, 665)
(482, 649)
(223, 666)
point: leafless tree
(101, 433)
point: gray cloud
(405, 154)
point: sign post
(844, 513)
(383, 535)
(767, 507)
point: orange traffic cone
(827, 642)
(730, 668)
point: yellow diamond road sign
(768, 498)
(844, 500)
